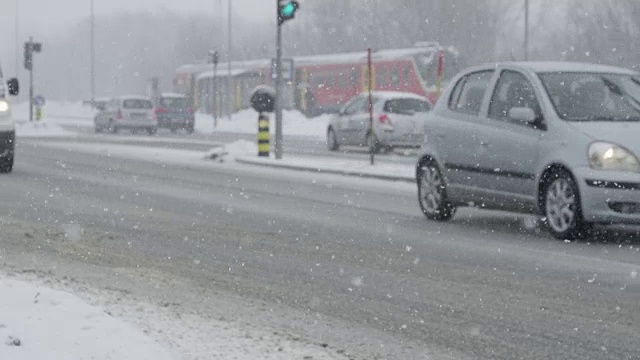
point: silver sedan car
(128, 112)
(556, 139)
(398, 121)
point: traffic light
(287, 10)
(29, 48)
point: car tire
(112, 127)
(432, 192)
(173, 129)
(562, 209)
(332, 141)
(152, 131)
(190, 130)
(6, 165)
(373, 144)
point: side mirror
(14, 86)
(523, 115)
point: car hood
(624, 133)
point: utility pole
(93, 63)
(526, 30)
(30, 48)
(17, 34)
(230, 92)
(214, 58)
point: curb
(326, 171)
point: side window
(468, 94)
(355, 106)
(513, 90)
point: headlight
(4, 106)
(605, 156)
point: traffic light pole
(279, 147)
(31, 86)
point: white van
(7, 125)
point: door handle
(484, 143)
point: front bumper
(609, 197)
(7, 143)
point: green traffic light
(289, 9)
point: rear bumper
(7, 143)
(136, 124)
(177, 121)
(391, 138)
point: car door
(361, 122)
(454, 132)
(508, 149)
(346, 128)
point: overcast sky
(42, 18)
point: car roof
(132, 97)
(390, 95)
(173, 95)
(557, 66)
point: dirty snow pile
(41, 128)
(232, 150)
(39, 323)
(246, 122)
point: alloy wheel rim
(560, 205)
(431, 189)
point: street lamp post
(229, 91)
(526, 30)
(93, 64)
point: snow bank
(40, 129)
(53, 109)
(347, 167)
(238, 148)
(246, 122)
(39, 323)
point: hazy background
(138, 39)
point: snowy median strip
(38, 129)
(355, 168)
(40, 323)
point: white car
(398, 121)
(7, 125)
(127, 112)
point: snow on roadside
(40, 129)
(238, 148)
(54, 109)
(40, 323)
(246, 122)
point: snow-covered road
(295, 265)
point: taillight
(119, 115)
(192, 110)
(384, 119)
(162, 110)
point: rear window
(406, 106)
(174, 102)
(137, 104)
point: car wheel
(6, 165)
(332, 141)
(174, 130)
(98, 128)
(432, 193)
(112, 127)
(152, 131)
(562, 207)
(372, 143)
(190, 130)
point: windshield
(137, 104)
(594, 96)
(403, 106)
(174, 102)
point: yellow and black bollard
(264, 136)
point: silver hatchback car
(129, 112)
(557, 139)
(398, 121)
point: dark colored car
(174, 112)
